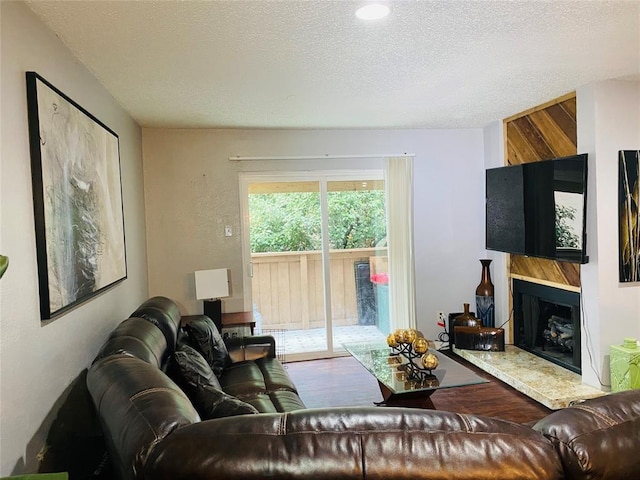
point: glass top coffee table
(398, 387)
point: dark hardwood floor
(343, 381)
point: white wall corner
(608, 121)
(493, 135)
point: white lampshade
(212, 284)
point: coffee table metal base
(408, 399)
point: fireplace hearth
(547, 323)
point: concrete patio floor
(290, 342)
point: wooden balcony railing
(288, 287)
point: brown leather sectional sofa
(155, 432)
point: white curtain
(399, 196)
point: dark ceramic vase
(466, 319)
(485, 303)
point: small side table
(239, 319)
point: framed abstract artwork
(628, 217)
(77, 197)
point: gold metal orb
(410, 335)
(399, 334)
(391, 340)
(420, 345)
(431, 381)
(430, 361)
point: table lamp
(211, 285)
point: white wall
(38, 362)
(192, 192)
(494, 157)
(608, 121)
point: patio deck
(314, 339)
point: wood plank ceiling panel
(545, 132)
(534, 137)
(564, 115)
(555, 138)
(519, 150)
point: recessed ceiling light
(373, 11)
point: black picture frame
(77, 200)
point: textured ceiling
(313, 64)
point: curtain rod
(320, 157)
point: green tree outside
(282, 222)
(565, 238)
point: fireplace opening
(547, 323)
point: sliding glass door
(315, 248)
(357, 257)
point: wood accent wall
(541, 133)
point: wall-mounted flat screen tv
(538, 209)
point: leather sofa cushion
(261, 401)
(139, 338)
(214, 403)
(275, 375)
(262, 375)
(598, 438)
(274, 402)
(164, 314)
(243, 378)
(203, 335)
(356, 443)
(285, 401)
(263, 383)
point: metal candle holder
(403, 343)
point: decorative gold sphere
(420, 345)
(410, 335)
(430, 381)
(430, 361)
(391, 340)
(399, 334)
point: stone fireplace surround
(548, 382)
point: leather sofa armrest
(251, 348)
(597, 438)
